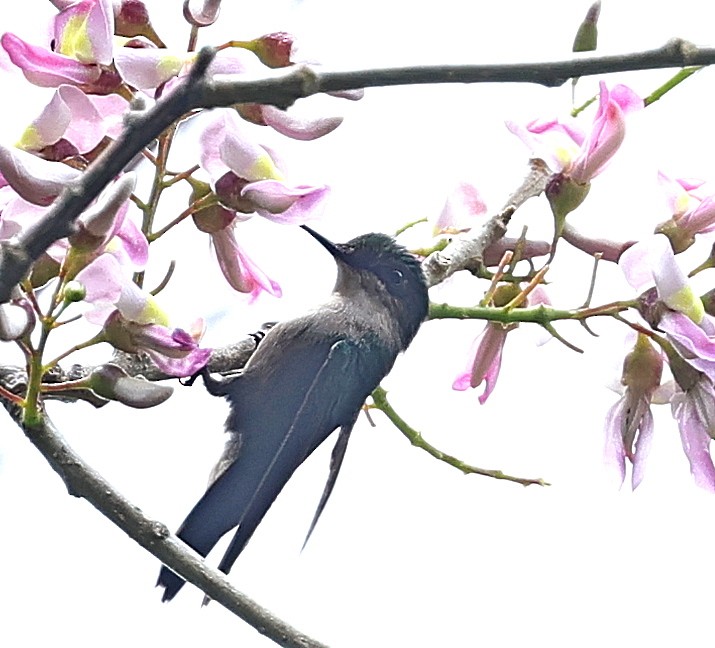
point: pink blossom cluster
(675, 331)
(98, 57)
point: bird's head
(376, 264)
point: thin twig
(379, 397)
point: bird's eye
(396, 277)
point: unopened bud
(16, 320)
(99, 222)
(274, 50)
(43, 270)
(505, 293)
(680, 240)
(113, 383)
(565, 195)
(74, 292)
(642, 367)
(586, 39)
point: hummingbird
(308, 377)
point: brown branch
(83, 481)
(465, 251)
(281, 88)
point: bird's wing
(280, 417)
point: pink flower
(246, 175)
(485, 364)
(81, 50)
(238, 268)
(652, 262)
(74, 118)
(461, 209)
(693, 211)
(580, 155)
(174, 351)
(36, 180)
(629, 423)
(486, 354)
(694, 411)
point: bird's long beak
(334, 250)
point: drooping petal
(239, 270)
(486, 362)
(133, 243)
(47, 69)
(288, 123)
(691, 341)
(694, 435)
(179, 367)
(148, 68)
(285, 204)
(36, 180)
(642, 446)
(614, 452)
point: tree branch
(83, 481)
(281, 88)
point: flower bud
(100, 222)
(642, 367)
(16, 319)
(113, 383)
(130, 18)
(680, 239)
(565, 195)
(274, 50)
(586, 38)
(74, 291)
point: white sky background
(409, 552)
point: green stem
(207, 201)
(537, 314)
(678, 78)
(404, 228)
(77, 347)
(379, 397)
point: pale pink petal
(148, 68)
(281, 203)
(695, 440)
(50, 125)
(187, 365)
(643, 446)
(102, 279)
(134, 243)
(639, 260)
(627, 99)
(462, 206)
(606, 136)
(36, 180)
(291, 125)
(84, 31)
(47, 69)
(239, 269)
(614, 452)
(112, 109)
(86, 128)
